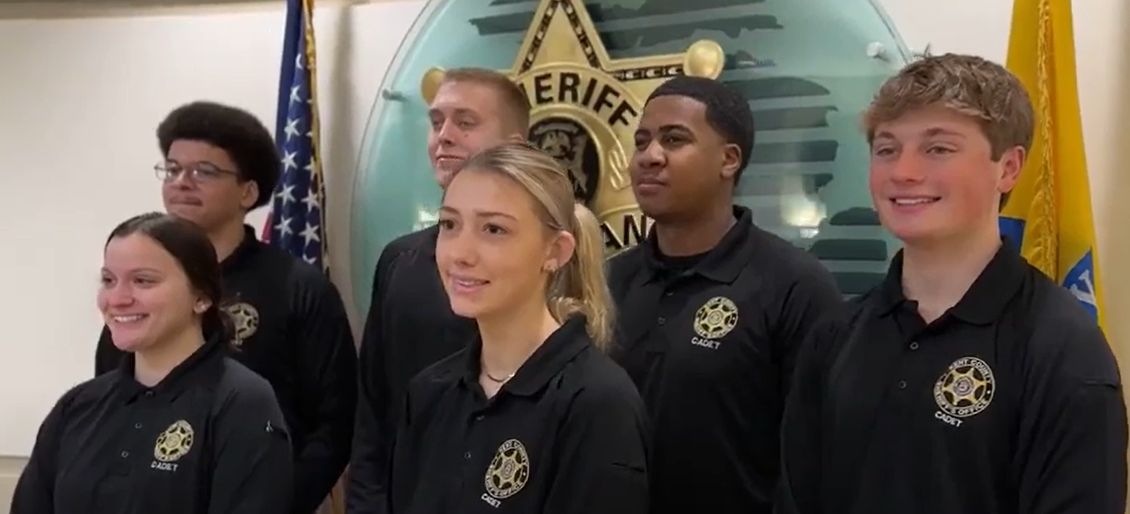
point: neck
(938, 276)
(227, 238)
(511, 338)
(696, 236)
(152, 365)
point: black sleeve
(107, 357)
(368, 468)
(327, 390)
(35, 490)
(1073, 433)
(252, 463)
(603, 463)
(801, 429)
(808, 300)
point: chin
(467, 309)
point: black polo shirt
(209, 438)
(292, 329)
(566, 435)
(410, 326)
(710, 341)
(1010, 402)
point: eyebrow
(459, 111)
(479, 213)
(135, 270)
(930, 132)
(668, 128)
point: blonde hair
(579, 286)
(510, 96)
(967, 84)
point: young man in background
(220, 163)
(967, 381)
(410, 323)
(711, 308)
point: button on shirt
(209, 438)
(1010, 402)
(290, 328)
(710, 342)
(565, 435)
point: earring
(549, 268)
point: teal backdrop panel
(808, 67)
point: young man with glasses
(290, 324)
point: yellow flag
(1049, 212)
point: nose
(650, 156)
(459, 247)
(908, 167)
(181, 180)
(446, 134)
(116, 296)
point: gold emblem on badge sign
(174, 442)
(966, 388)
(586, 106)
(246, 320)
(716, 318)
(508, 471)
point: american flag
(297, 217)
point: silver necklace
(498, 380)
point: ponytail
(580, 286)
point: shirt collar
(247, 248)
(179, 379)
(986, 298)
(549, 359)
(723, 263)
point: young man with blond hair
(410, 323)
(967, 381)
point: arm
(252, 466)
(35, 490)
(808, 300)
(368, 473)
(107, 357)
(798, 491)
(602, 452)
(327, 364)
(1073, 434)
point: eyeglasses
(199, 172)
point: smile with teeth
(914, 201)
(129, 319)
(468, 282)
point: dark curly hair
(727, 110)
(238, 132)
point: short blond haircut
(970, 85)
(579, 286)
(515, 105)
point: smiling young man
(410, 323)
(967, 381)
(291, 328)
(712, 309)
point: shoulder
(785, 262)
(89, 393)
(1064, 338)
(599, 387)
(241, 389)
(439, 376)
(624, 264)
(408, 244)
